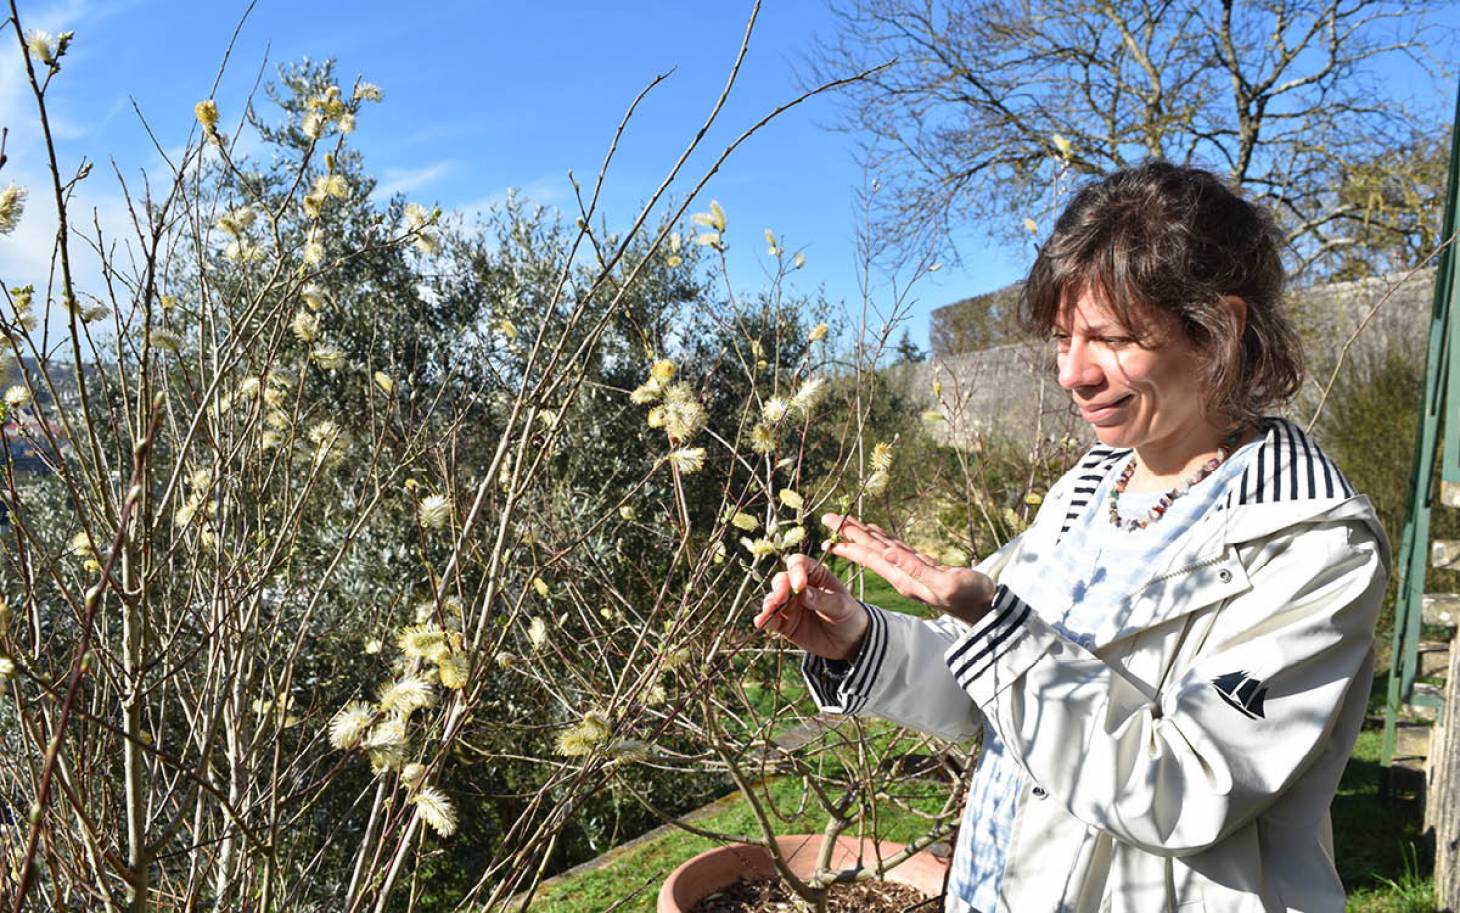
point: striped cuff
(842, 687)
(995, 635)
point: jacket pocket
(1175, 594)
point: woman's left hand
(958, 591)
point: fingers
(910, 573)
(853, 530)
(781, 617)
(797, 572)
(805, 585)
(769, 619)
(841, 524)
(780, 609)
(775, 600)
(922, 579)
(803, 571)
(874, 537)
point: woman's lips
(1105, 410)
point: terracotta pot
(716, 869)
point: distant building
(1009, 388)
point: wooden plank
(1412, 741)
(1434, 659)
(1424, 703)
(1444, 777)
(1445, 554)
(1442, 609)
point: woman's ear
(1239, 313)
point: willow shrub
(379, 561)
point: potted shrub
(798, 859)
(753, 454)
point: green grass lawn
(877, 591)
(1382, 857)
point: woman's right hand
(810, 607)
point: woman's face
(1132, 396)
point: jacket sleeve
(898, 675)
(1175, 771)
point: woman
(1172, 663)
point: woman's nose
(1076, 367)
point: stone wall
(1010, 390)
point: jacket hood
(1290, 480)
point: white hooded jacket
(1188, 759)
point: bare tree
(1394, 205)
(993, 104)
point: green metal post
(1442, 397)
(1445, 284)
(1414, 546)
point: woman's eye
(1116, 342)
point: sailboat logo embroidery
(1243, 692)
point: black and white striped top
(1094, 467)
(1288, 466)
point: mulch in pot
(769, 896)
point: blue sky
(482, 97)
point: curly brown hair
(1179, 240)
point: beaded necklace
(1164, 502)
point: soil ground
(762, 896)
